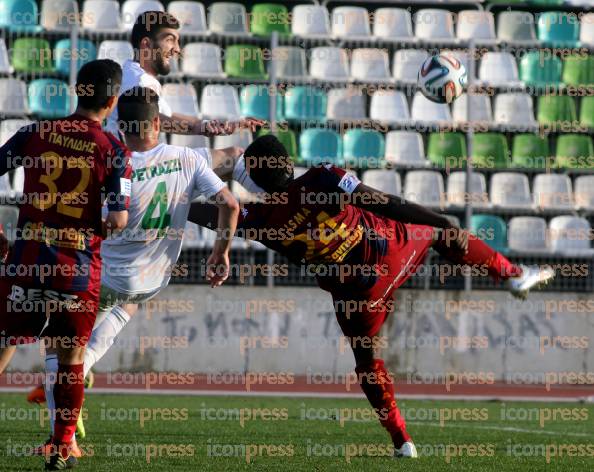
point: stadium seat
(299, 171)
(191, 16)
(540, 71)
(476, 24)
(530, 151)
(245, 61)
(386, 181)
(510, 190)
(32, 56)
(202, 60)
(392, 24)
(329, 63)
(424, 187)
(63, 54)
(346, 104)
(407, 63)
(320, 145)
(558, 28)
(457, 195)
(556, 109)
(19, 16)
(480, 108)
(370, 65)
(527, 234)
(181, 98)
(49, 98)
(59, 15)
(389, 106)
(10, 127)
(305, 103)
(5, 189)
(516, 27)
(584, 192)
(350, 22)
(447, 150)
(5, 65)
(434, 25)
(119, 51)
(290, 62)
(311, 21)
(423, 109)
(363, 148)
(491, 229)
(227, 18)
(242, 138)
(570, 236)
(269, 17)
(490, 151)
(579, 70)
(13, 97)
(587, 112)
(587, 29)
(101, 16)
(18, 181)
(193, 141)
(552, 192)
(499, 69)
(9, 216)
(405, 148)
(514, 109)
(287, 137)
(132, 8)
(254, 101)
(220, 102)
(574, 151)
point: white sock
(49, 381)
(240, 175)
(104, 335)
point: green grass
(479, 426)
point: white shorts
(109, 298)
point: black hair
(268, 163)
(97, 81)
(137, 109)
(149, 24)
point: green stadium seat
(244, 61)
(320, 145)
(579, 71)
(530, 151)
(32, 55)
(49, 98)
(285, 136)
(556, 109)
(19, 16)
(490, 151)
(305, 103)
(63, 54)
(254, 101)
(491, 229)
(540, 71)
(363, 148)
(447, 150)
(575, 151)
(558, 28)
(587, 112)
(269, 17)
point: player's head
(138, 113)
(98, 86)
(269, 164)
(155, 39)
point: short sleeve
(206, 182)
(333, 177)
(118, 184)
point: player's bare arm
(178, 123)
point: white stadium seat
(389, 106)
(570, 236)
(346, 104)
(587, 29)
(202, 60)
(190, 15)
(181, 98)
(392, 23)
(101, 16)
(510, 190)
(527, 234)
(193, 141)
(58, 15)
(478, 195)
(514, 109)
(424, 187)
(5, 66)
(350, 22)
(18, 180)
(476, 24)
(499, 69)
(119, 51)
(516, 27)
(406, 64)
(13, 97)
(132, 8)
(370, 65)
(5, 186)
(9, 216)
(405, 148)
(423, 109)
(290, 62)
(311, 21)
(299, 171)
(552, 191)
(242, 138)
(387, 181)
(434, 24)
(227, 18)
(480, 108)
(220, 102)
(584, 192)
(329, 63)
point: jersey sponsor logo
(59, 237)
(244, 212)
(167, 167)
(125, 187)
(348, 183)
(20, 296)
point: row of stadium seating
(309, 21)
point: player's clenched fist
(217, 268)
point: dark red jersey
(71, 167)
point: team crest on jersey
(244, 212)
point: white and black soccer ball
(442, 78)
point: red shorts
(25, 311)
(362, 312)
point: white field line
(503, 428)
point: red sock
(481, 254)
(377, 385)
(68, 394)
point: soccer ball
(442, 78)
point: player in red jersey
(367, 243)
(71, 168)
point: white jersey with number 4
(165, 180)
